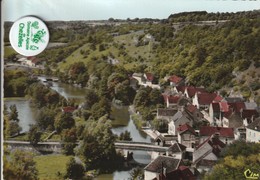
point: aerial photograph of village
(135, 93)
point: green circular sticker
(29, 36)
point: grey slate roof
(160, 162)
(255, 125)
(166, 112)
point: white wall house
(253, 131)
(178, 119)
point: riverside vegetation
(223, 55)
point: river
(120, 123)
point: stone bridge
(141, 146)
(48, 147)
(57, 146)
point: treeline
(16, 82)
(205, 16)
(106, 81)
(237, 159)
(207, 55)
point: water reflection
(26, 113)
(120, 123)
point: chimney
(164, 171)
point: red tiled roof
(191, 108)
(181, 88)
(223, 132)
(206, 98)
(218, 98)
(185, 127)
(224, 107)
(173, 99)
(215, 107)
(33, 59)
(193, 90)
(175, 79)
(237, 106)
(183, 168)
(249, 113)
(68, 109)
(149, 76)
(183, 172)
(228, 113)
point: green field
(8, 51)
(49, 166)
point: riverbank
(137, 118)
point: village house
(240, 133)
(164, 139)
(225, 115)
(171, 101)
(146, 79)
(162, 164)
(177, 151)
(230, 119)
(179, 119)
(166, 113)
(68, 109)
(232, 114)
(194, 112)
(182, 173)
(190, 91)
(253, 131)
(249, 115)
(139, 77)
(233, 99)
(179, 89)
(175, 80)
(29, 61)
(202, 100)
(187, 136)
(207, 153)
(226, 135)
(149, 78)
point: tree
(90, 98)
(235, 168)
(97, 149)
(34, 134)
(69, 139)
(137, 173)
(242, 148)
(13, 113)
(141, 99)
(74, 170)
(45, 118)
(160, 125)
(125, 136)
(13, 128)
(155, 97)
(20, 165)
(64, 121)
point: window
(186, 137)
(192, 137)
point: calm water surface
(26, 113)
(121, 122)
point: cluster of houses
(200, 125)
(30, 61)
